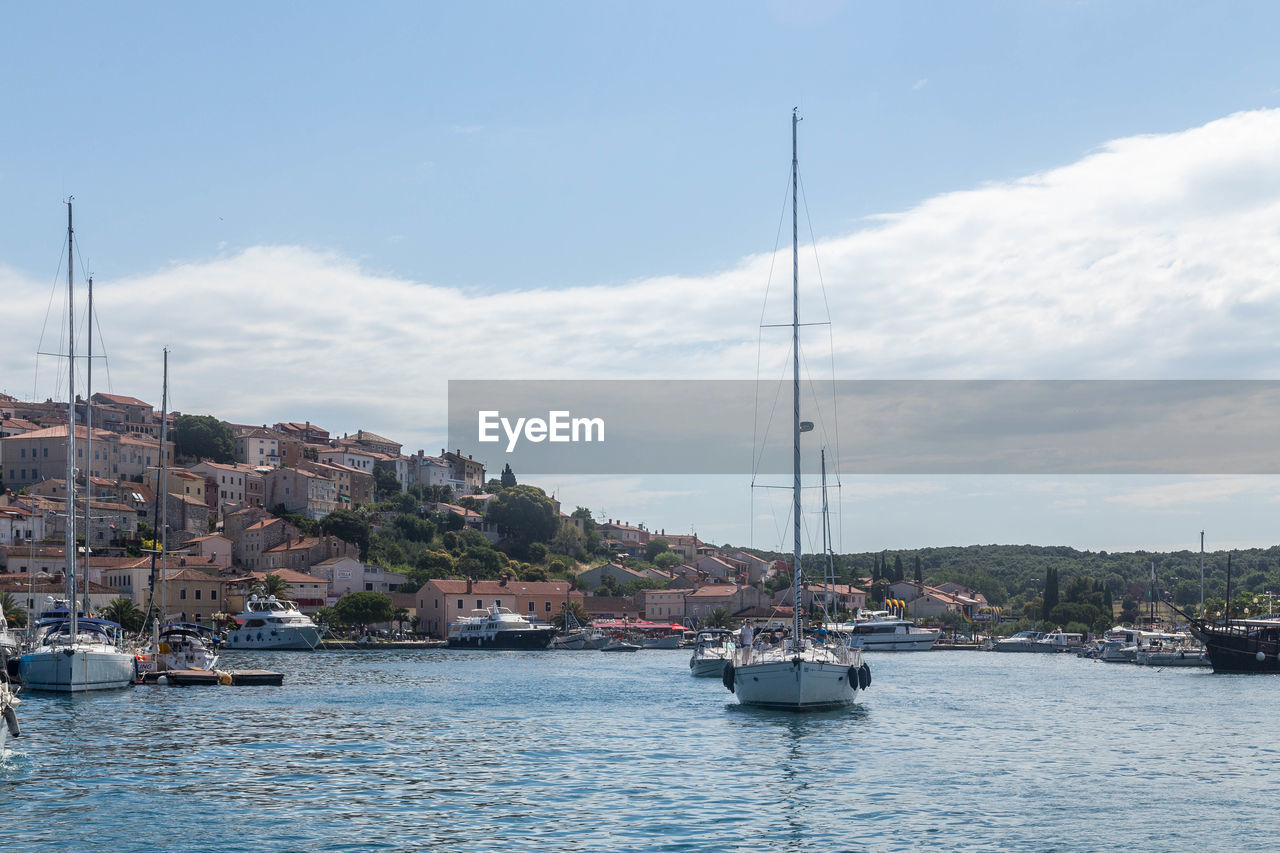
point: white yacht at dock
(272, 623)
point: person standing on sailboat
(745, 635)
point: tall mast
(1201, 574)
(71, 428)
(162, 483)
(829, 574)
(88, 450)
(795, 369)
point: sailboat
(799, 673)
(72, 654)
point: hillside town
(286, 497)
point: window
(530, 606)
(459, 603)
(22, 453)
(436, 603)
(368, 587)
(182, 594)
(213, 595)
(197, 595)
(480, 604)
(549, 605)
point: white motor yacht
(273, 624)
(498, 628)
(879, 631)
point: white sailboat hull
(76, 668)
(797, 681)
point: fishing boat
(712, 649)
(74, 655)
(498, 628)
(576, 637)
(270, 623)
(800, 673)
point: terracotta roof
(121, 400)
(286, 575)
(498, 588)
(300, 544)
(714, 590)
(61, 432)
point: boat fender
(224, 678)
(1260, 656)
(864, 676)
(855, 677)
(726, 677)
(11, 719)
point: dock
(208, 677)
(379, 645)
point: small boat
(1023, 641)
(620, 646)
(712, 649)
(272, 623)
(577, 637)
(179, 646)
(879, 631)
(1057, 641)
(498, 628)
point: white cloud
(1152, 257)
(1198, 491)
(920, 84)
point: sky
(328, 211)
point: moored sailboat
(72, 654)
(800, 673)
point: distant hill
(1010, 575)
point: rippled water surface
(588, 751)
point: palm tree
(272, 584)
(718, 618)
(14, 613)
(401, 616)
(124, 612)
(579, 612)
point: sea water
(445, 750)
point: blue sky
(374, 199)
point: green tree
(537, 552)
(718, 618)
(589, 531)
(349, 526)
(919, 571)
(579, 613)
(385, 483)
(271, 585)
(898, 571)
(401, 616)
(508, 477)
(364, 608)
(14, 613)
(523, 515)
(328, 618)
(667, 559)
(654, 547)
(569, 540)
(203, 437)
(126, 614)
(1051, 597)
